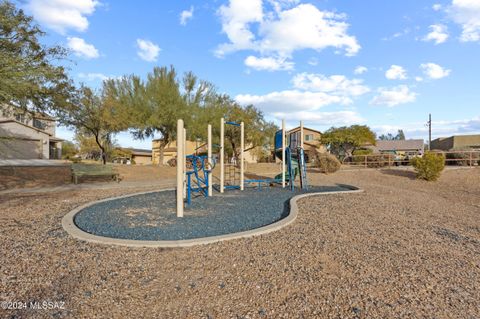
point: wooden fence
(452, 158)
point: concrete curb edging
(69, 226)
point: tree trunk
(103, 155)
(161, 151)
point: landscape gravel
(153, 216)
(402, 249)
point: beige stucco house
(311, 140)
(456, 142)
(28, 135)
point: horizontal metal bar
(232, 123)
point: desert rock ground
(402, 249)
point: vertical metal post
(283, 153)
(301, 134)
(209, 142)
(429, 132)
(180, 174)
(222, 154)
(242, 147)
(184, 143)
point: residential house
(401, 147)
(28, 135)
(456, 142)
(311, 141)
(141, 156)
(133, 156)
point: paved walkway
(32, 162)
(165, 183)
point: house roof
(383, 145)
(293, 130)
(139, 151)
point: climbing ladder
(193, 177)
(302, 167)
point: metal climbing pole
(302, 167)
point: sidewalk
(166, 183)
(33, 162)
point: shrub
(459, 158)
(327, 163)
(376, 161)
(430, 166)
(172, 162)
(362, 152)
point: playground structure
(198, 179)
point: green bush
(429, 166)
(327, 163)
(362, 152)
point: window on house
(39, 124)
(309, 137)
(20, 117)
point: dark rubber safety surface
(153, 216)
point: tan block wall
(142, 160)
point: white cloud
(394, 96)
(437, 7)
(186, 15)
(309, 93)
(438, 33)
(147, 50)
(418, 79)
(321, 118)
(336, 84)
(396, 72)
(236, 18)
(440, 128)
(466, 13)
(90, 77)
(399, 34)
(268, 63)
(360, 69)
(282, 31)
(62, 15)
(291, 100)
(434, 71)
(82, 49)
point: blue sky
(387, 64)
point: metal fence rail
(452, 158)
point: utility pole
(429, 123)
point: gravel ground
(153, 216)
(402, 249)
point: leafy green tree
(390, 137)
(91, 114)
(343, 141)
(69, 150)
(258, 132)
(154, 106)
(28, 73)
